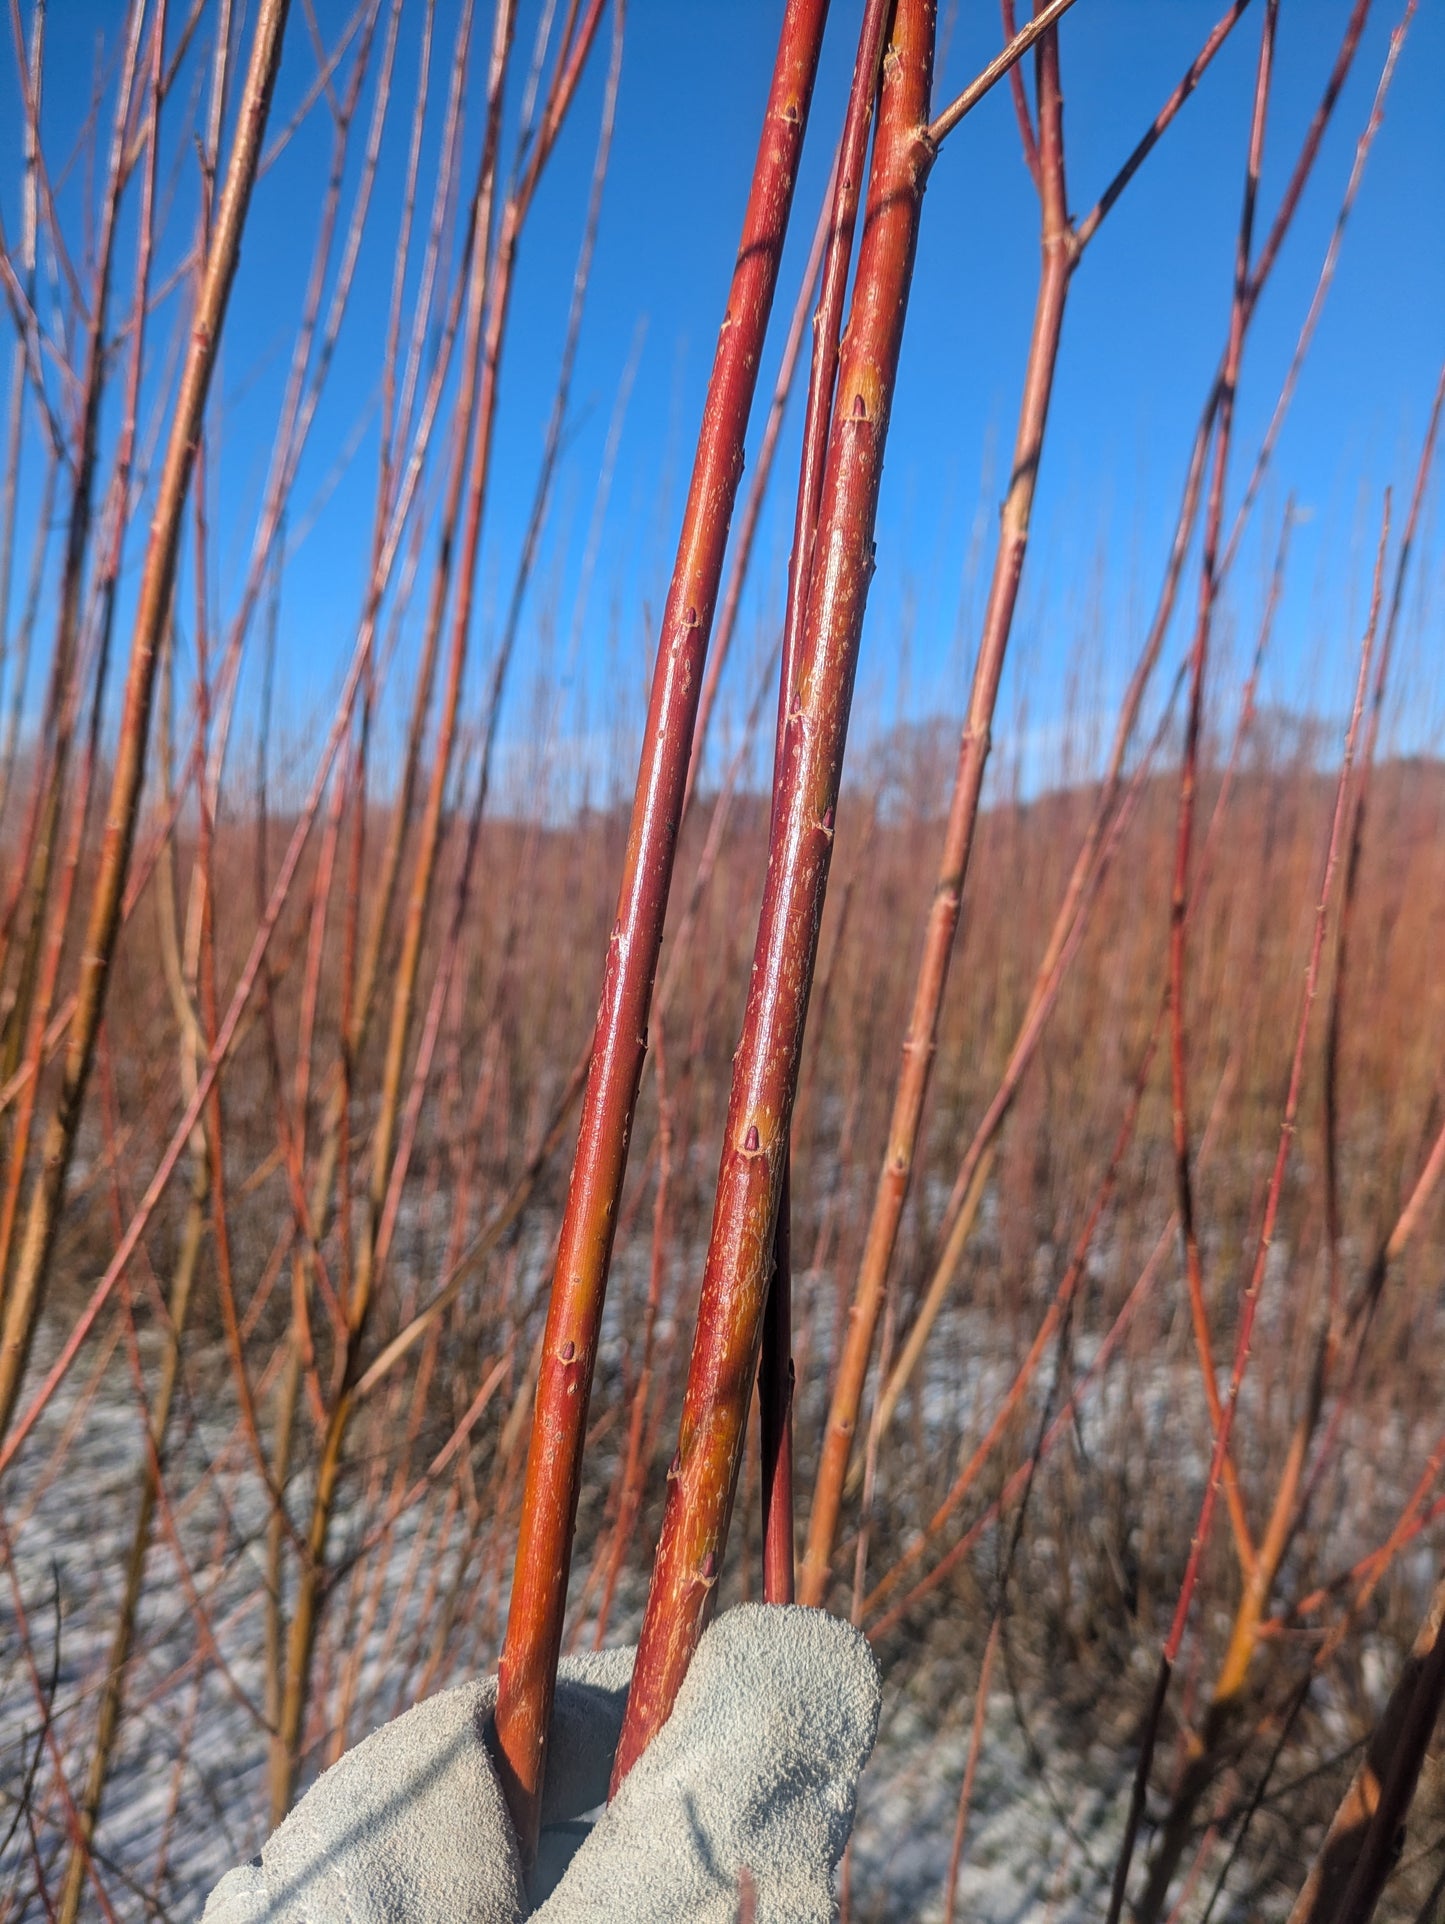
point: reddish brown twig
(1005, 62)
(970, 1770)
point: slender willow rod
(775, 1373)
(1001, 64)
(921, 1041)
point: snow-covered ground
(187, 1795)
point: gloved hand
(756, 1770)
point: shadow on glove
(757, 1769)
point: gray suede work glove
(756, 1770)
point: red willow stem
(1342, 957)
(1309, 148)
(1367, 1572)
(775, 1378)
(703, 1478)
(823, 368)
(1348, 1323)
(527, 1672)
(757, 491)
(1205, 1745)
(1028, 139)
(1332, 252)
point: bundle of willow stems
(348, 989)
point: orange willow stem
(527, 1672)
(921, 1040)
(765, 1071)
(157, 584)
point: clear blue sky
(1144, 329)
